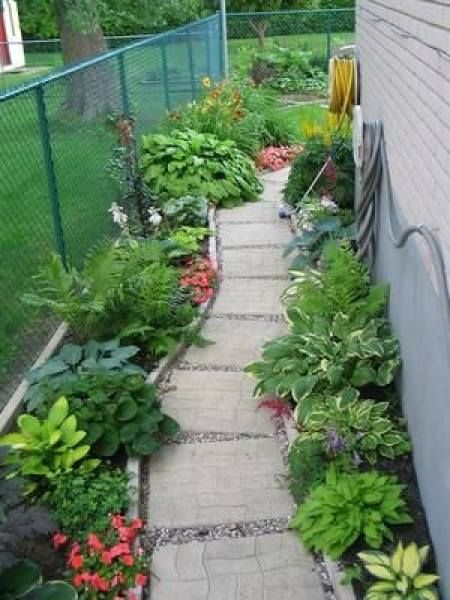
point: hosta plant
(45, 449)
(74, 360)
(350, 506)
(399, 575)
(186, 211)
(188, 162)
(187, 240)
(323, 356)
(116, 409)
(354, 430)
(24, 580)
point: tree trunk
(92, 90)
(260, 28)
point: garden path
(218, 501)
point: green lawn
(297, 116)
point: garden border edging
(341, 592)
(134, 465)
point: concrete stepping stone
(254, 234)
(269, 567)
(280, 176)
(213, 483)
(258, 212)
(219, 401)
(236, 342)
(264, 262)
(250, 297)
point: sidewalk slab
(269, 567)
(215, 483)
(264, 262)
(254, 234)
(236, 342)
(250, 297)
(258, 212)
(219, 401)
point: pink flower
(117, 580)
(99, 583)
(94, 543)
(106, 557)
(119, 549)
(127, 559)
(117, 521)
(141, 579)
(59, 539)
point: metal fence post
(208, 52)
(328, 40)
(123, 86)
(165, 74)
(50, 173)
(191, 65)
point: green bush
(352, 430)
(337, 181)
(349, 506)
(307, 468)
(128, 291)
(42, 450)
(187, 162)
(187, 211)
(83, 503)
(324, 356)
(115, 409)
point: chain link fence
(57, 140)
(318, 32)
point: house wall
(404, 52)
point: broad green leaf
(58, 412)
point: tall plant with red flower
(110, 566)
(200, 277)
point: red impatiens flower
(94, 543)
(117, 521)
(117, 580)
(106, 557)
(99, 583)
(59, 539)
(127, 559)
(76, 561)
(141, 579)
(119, 549)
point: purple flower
(336, 443)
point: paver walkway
(232, 481)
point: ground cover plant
(187, 162)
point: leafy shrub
(319, 222)
(323, 356)
(400, 575)
(353, 430)
(113, 560)
(127, 291)
(343, 285)
(337, 180)
(236, 112)
(74, 360)
(288, 70)
(44, 450)
(83, 502)
(187, 162)
(187, 211)
(349, 506)
(188, 240)
(307, 468)
(24, 580)
(116, 409)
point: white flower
(328, 204)
(154, 217)
(118, 215)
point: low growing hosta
(399, 575)
(187, 162)
(349, 506)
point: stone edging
(341, 592)
(134, 465)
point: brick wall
(404, 52)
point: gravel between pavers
(205, 437)
(247, 317)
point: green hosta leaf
(145, 445)
(19, 579)
(386, 372)
(362, 376)
(303, 387)
(127, 410)
(53, 590)
(108, 444)
(29, 425)
(380, 572)
(71, 354)
(168, 426)
(58, 412)
(411, 561)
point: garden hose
(375, 166)
(343, 86)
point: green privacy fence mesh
(316, 31)
(56, 140)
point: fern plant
(342, 286)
